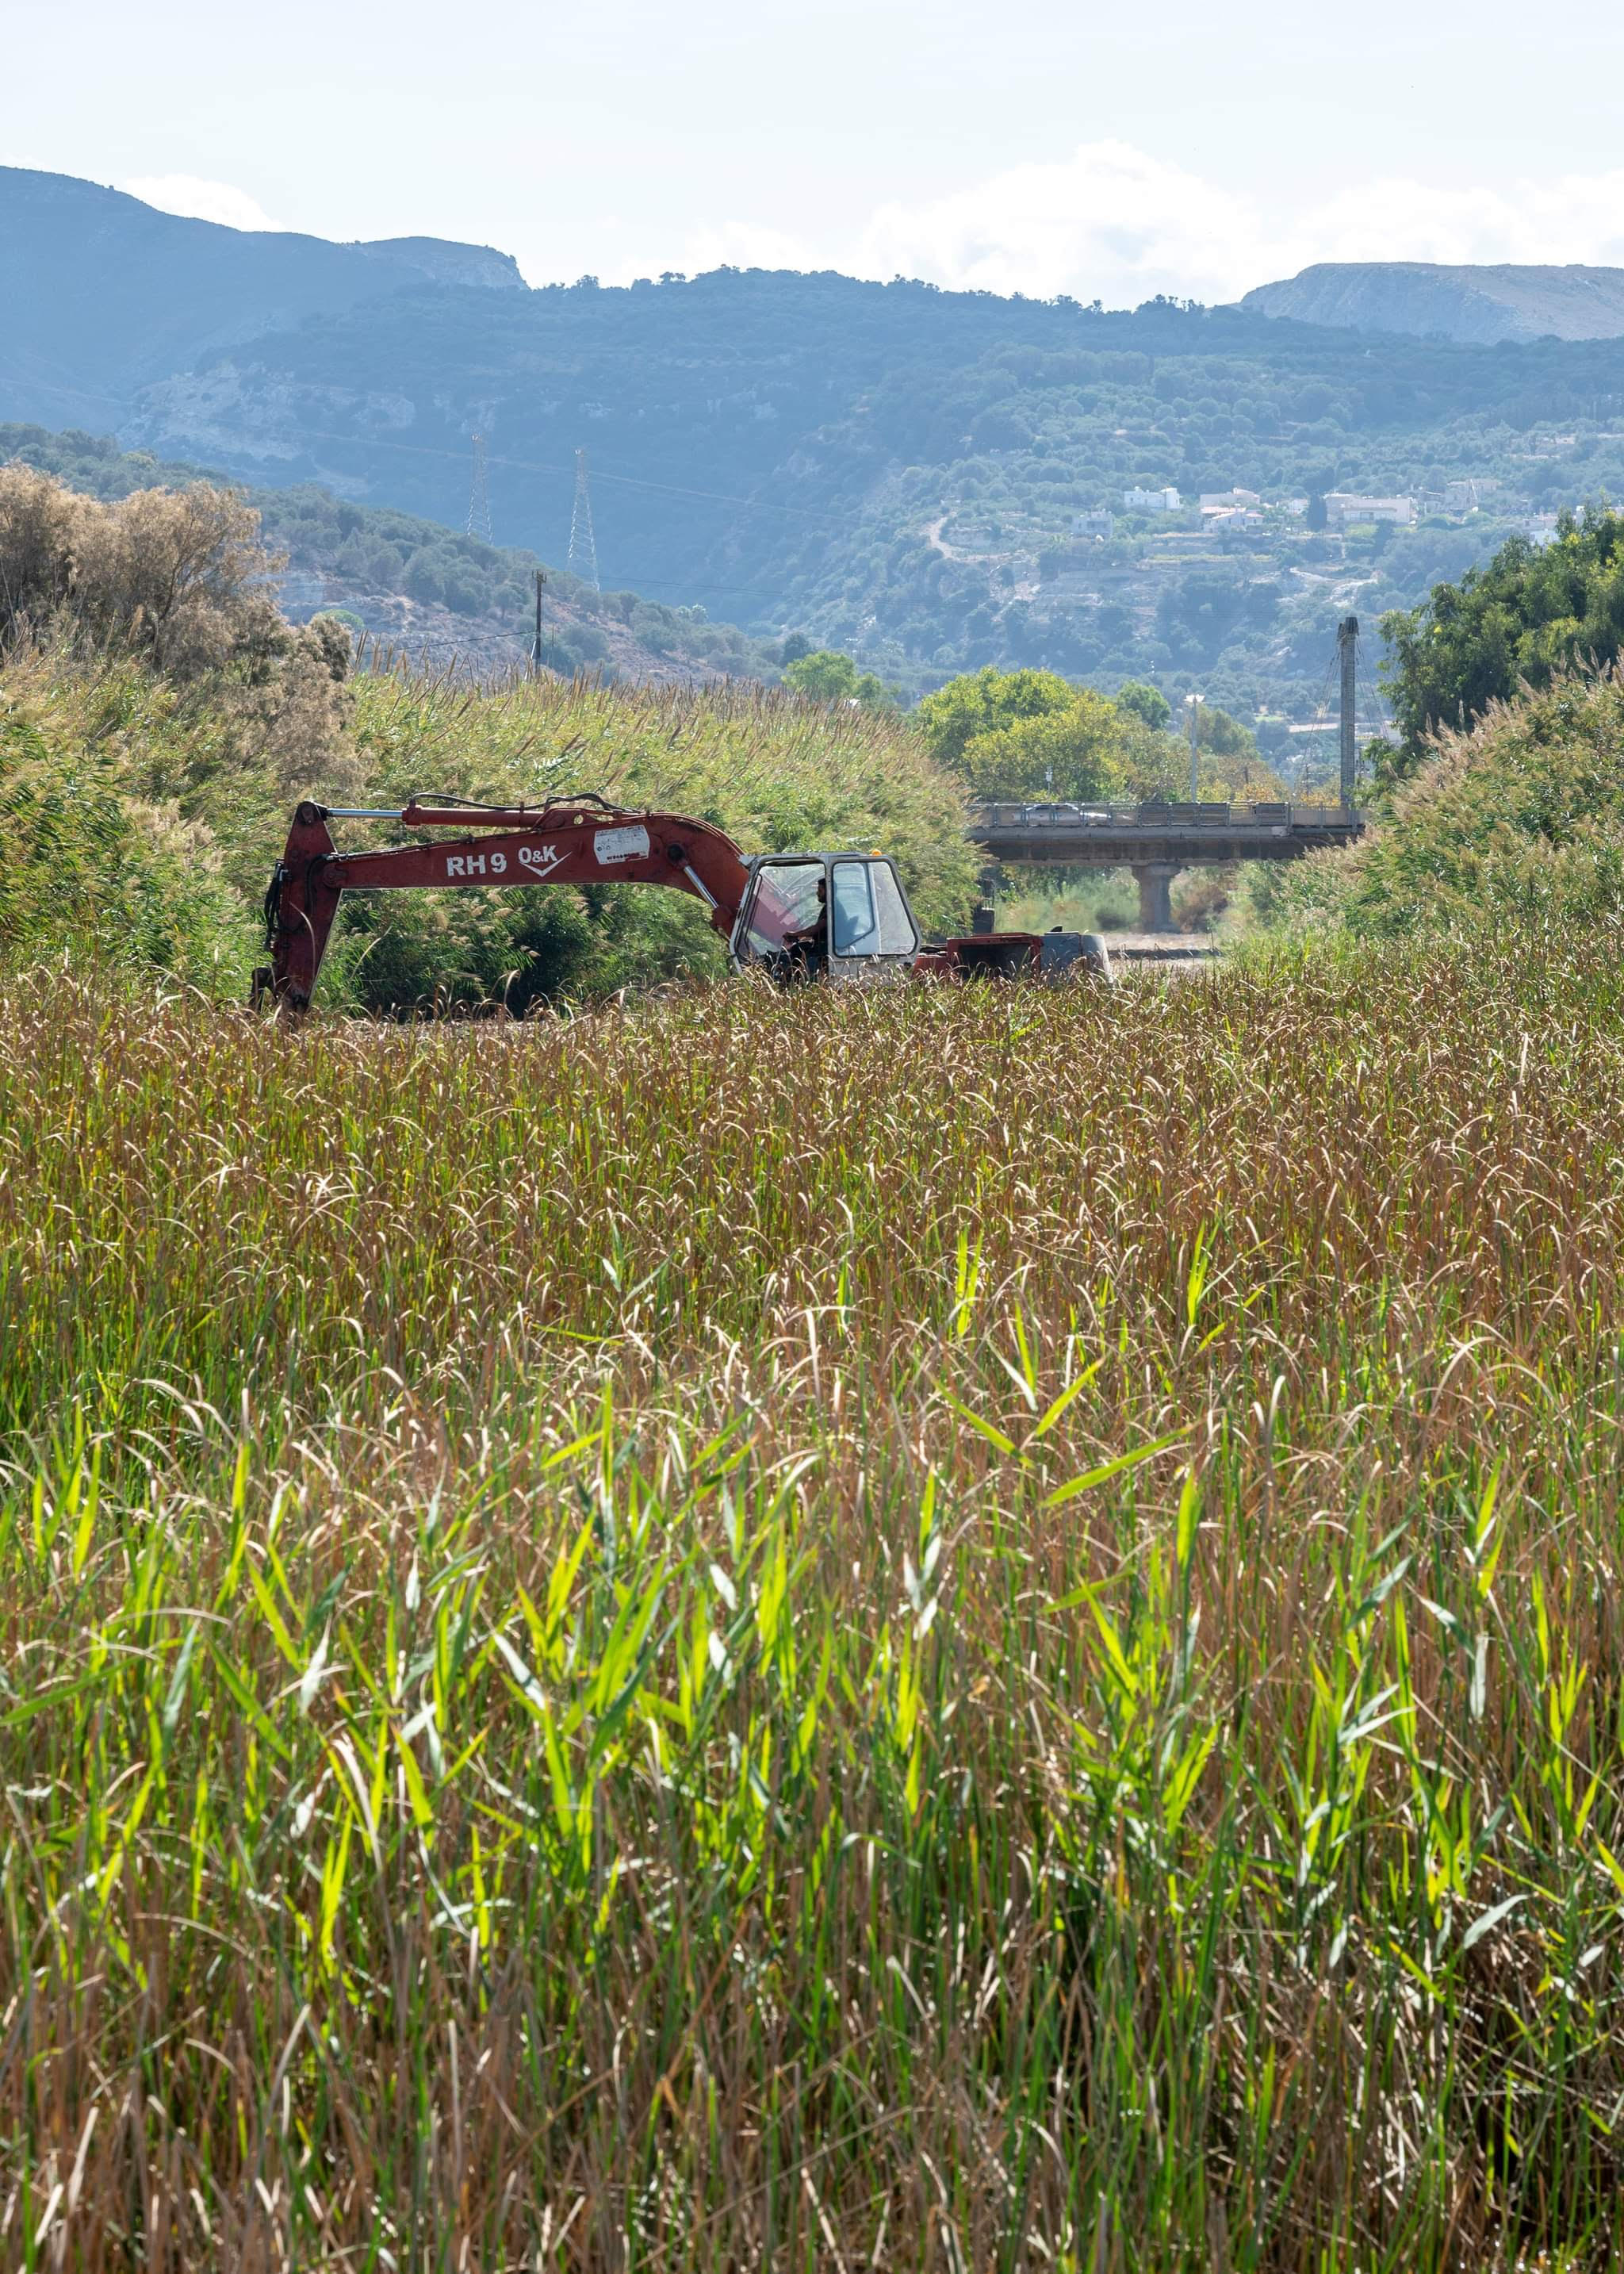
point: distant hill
(1470, 303)
(433, 595)
(103, 294)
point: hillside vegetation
(894, 471)
(434, 593)
(158, 721)
(104, 292)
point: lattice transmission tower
(479, 496)
(582, 546)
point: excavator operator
(807, 950)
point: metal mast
(479, 496)
(582, 546)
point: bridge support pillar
(1155, 879)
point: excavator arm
(571, 841)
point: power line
(626, 481)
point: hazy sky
(1110, 152)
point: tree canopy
(829, 676)
(1145, 702)
(1033, 735)
(1534, 611)
(1082, 752)
(986, 701)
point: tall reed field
(941, 1630)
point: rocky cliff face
(1475, 304)
(236, 414)
(444, 262)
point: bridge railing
(1000, 813)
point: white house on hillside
(1166, 500)
(1343, 508)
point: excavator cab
(842, 916)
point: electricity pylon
(478, 497)
(583, 546)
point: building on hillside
(1166, 500)
(1096, 524)
(1228, 500)
(1345, 507)
(1462, 496)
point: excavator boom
(573, 841)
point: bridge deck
(1109, 836)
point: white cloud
(190, 195)
(1577, 217)
(1115, 223)
(1111, 223)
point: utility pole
(541, 579)
(1192, 703)
(1346, 642)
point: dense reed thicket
(936, 1630)
(142, 817)
(1517, 819)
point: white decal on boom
(621, 844)
(538, 859)
(476, 864)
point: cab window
(870, 915)
(856, 926)
(898, 936)
(785, 903)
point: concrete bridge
(1157, 840)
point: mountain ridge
(107, 293)
(931, 480)
(1471, 303)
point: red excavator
(841, 916)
